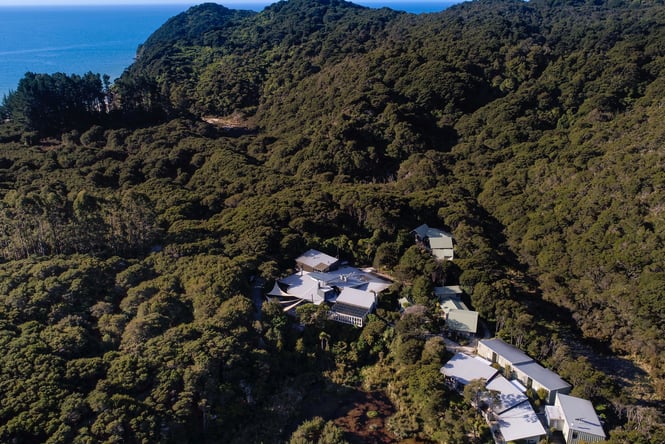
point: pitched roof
(462, 320)
(310, 286)
(441, 242)
(520, 422)
(509, 395)
(425, 231)
(302, 286)
(448, 290)
(356, 298)
(507, 351)
(580, 415)
(545, 377)
(316, 259)
(350, 310)
(464, 368)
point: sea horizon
(103, 39)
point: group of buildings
(509, 412)
(350, 292)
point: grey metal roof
(440, 242)
(545, 377)
(511, 354)
(580, 415)
(357, 298)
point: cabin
(576, 419)
(438, 242)
(457, 315)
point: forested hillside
(138, 219)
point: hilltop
(134, 229)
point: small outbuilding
(458, 316)
(314, 260)
(439, 242)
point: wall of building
(576, 437)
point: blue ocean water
(103, 39)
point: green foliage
(50, 104)
(531, 130)
(317, 431)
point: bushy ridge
(132, 250)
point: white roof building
(520, 423)
(576, 419)
(465, 321)
(509, 395)
(352, 291)
(352, 306)
(317, 287)
(538, 377)
(314, 260)
(464, 368)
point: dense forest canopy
(139, 218)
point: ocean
(102, 39)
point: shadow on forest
(362, 416)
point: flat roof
(545, 377)
(520, 422)
(465, 368)
(553, 413)
(356, 298)
(511, 354)
(509, 395)
(315, 259)
(451, 303)
(580, 415)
